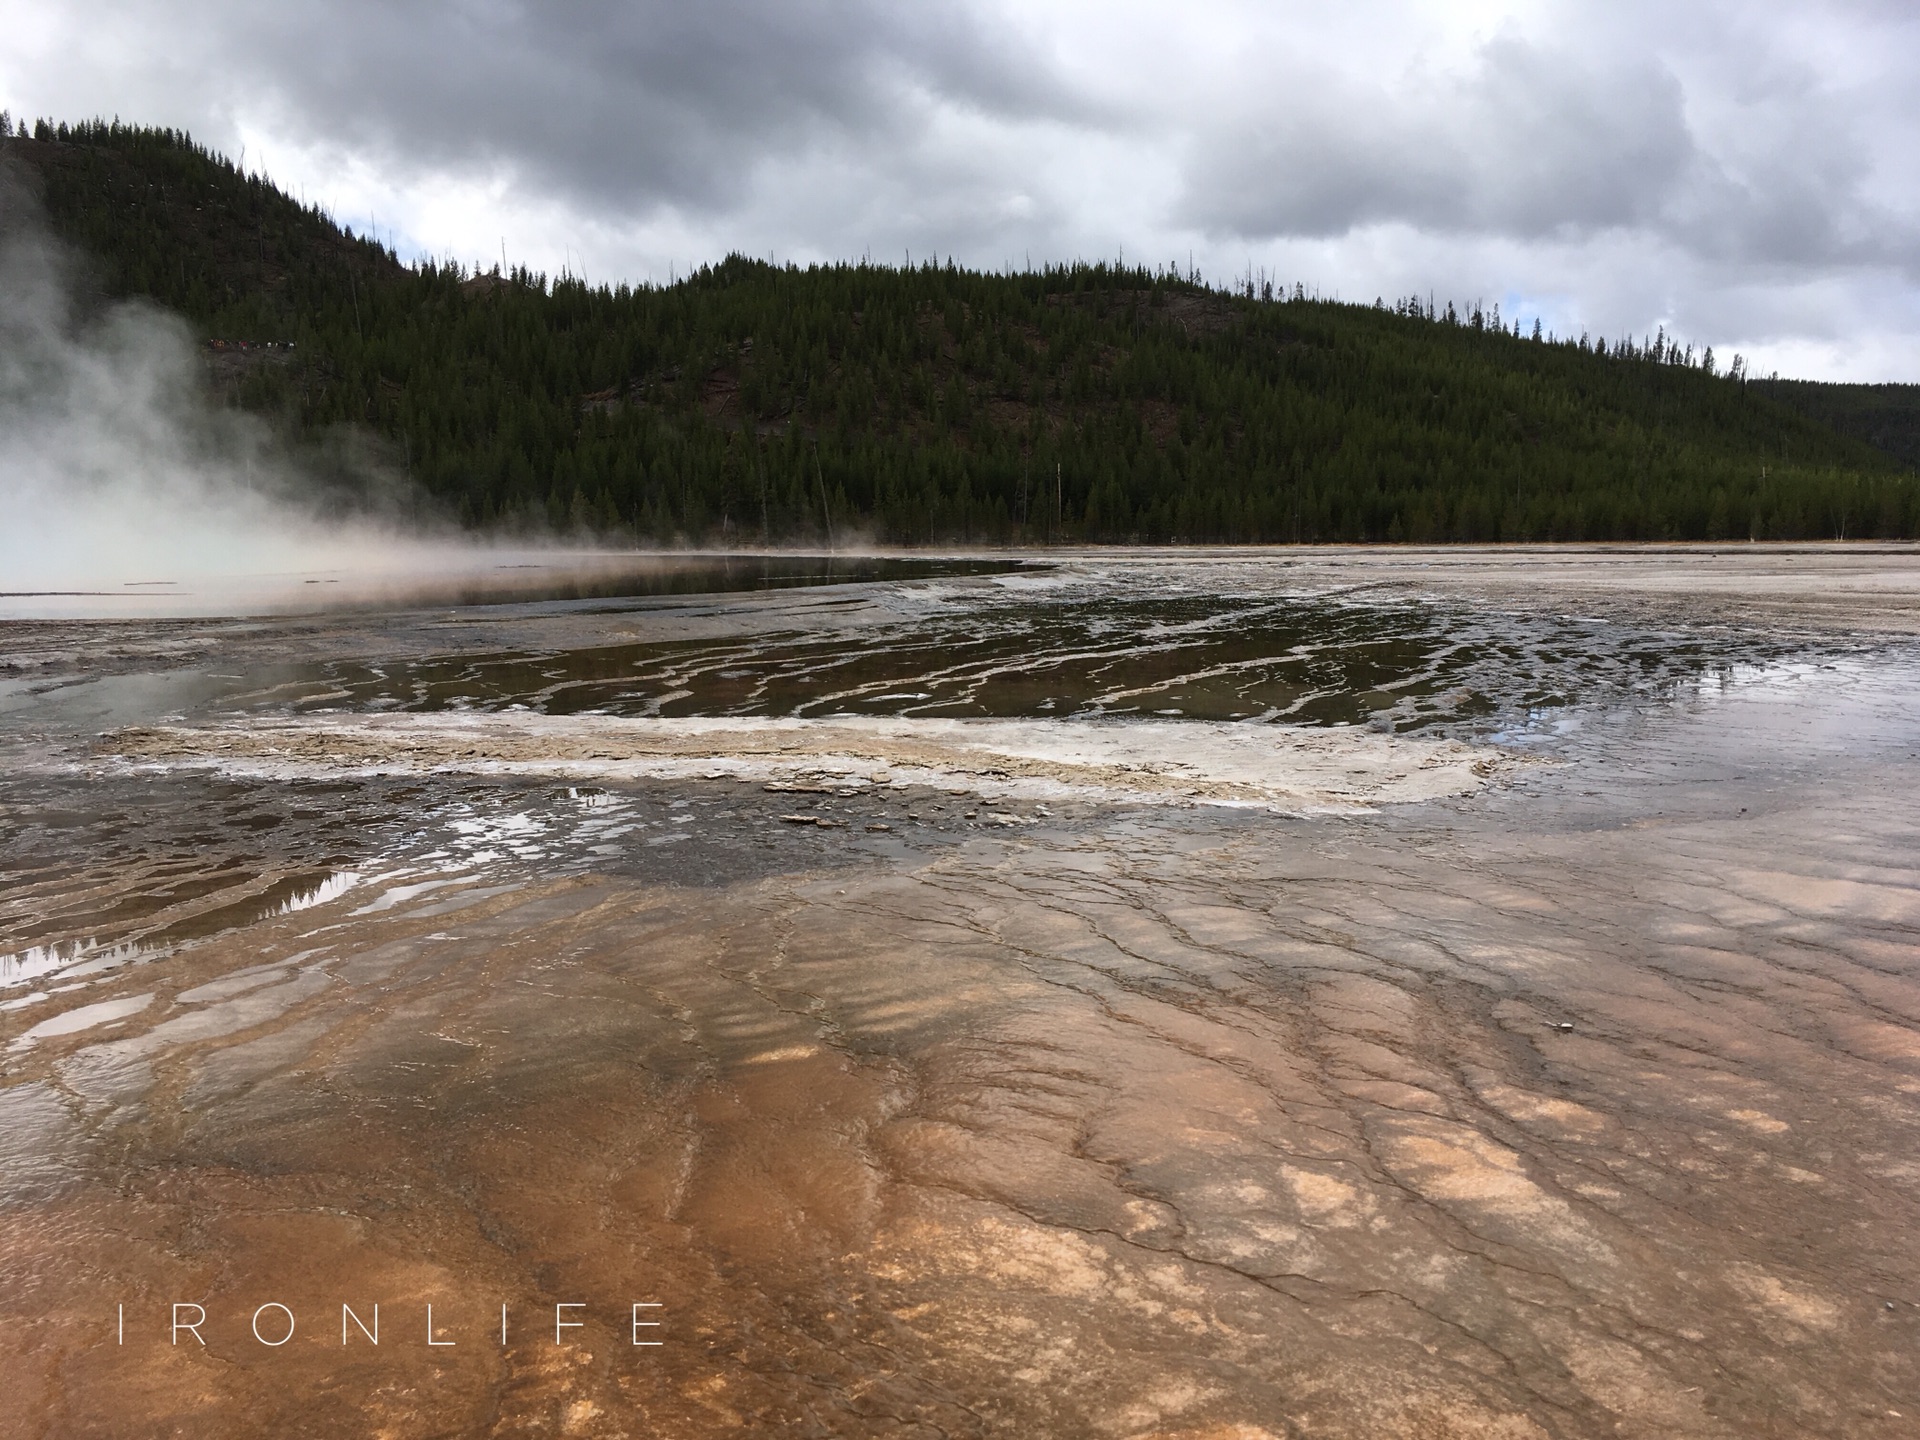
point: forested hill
(1885, 416)
(940, 404)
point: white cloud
(1746, 175)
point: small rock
(1564, 1027)
(871, 829)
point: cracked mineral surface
(1310, 994)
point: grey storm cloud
(1539, 143)
(1753, 171)
(621, 104)
(1530, 144)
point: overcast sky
(1746, 174)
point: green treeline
(1885, 416)
(1081, 403)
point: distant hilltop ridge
(934, 404)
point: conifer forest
(926, 403)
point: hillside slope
(1887, 417)
(936, 404)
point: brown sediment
(1143, 1132)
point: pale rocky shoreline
(1297, 768)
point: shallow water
(1085, 650)
(1212, 641)
(1027, 1005)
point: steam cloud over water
(118, 474)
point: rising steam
(119, 476)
